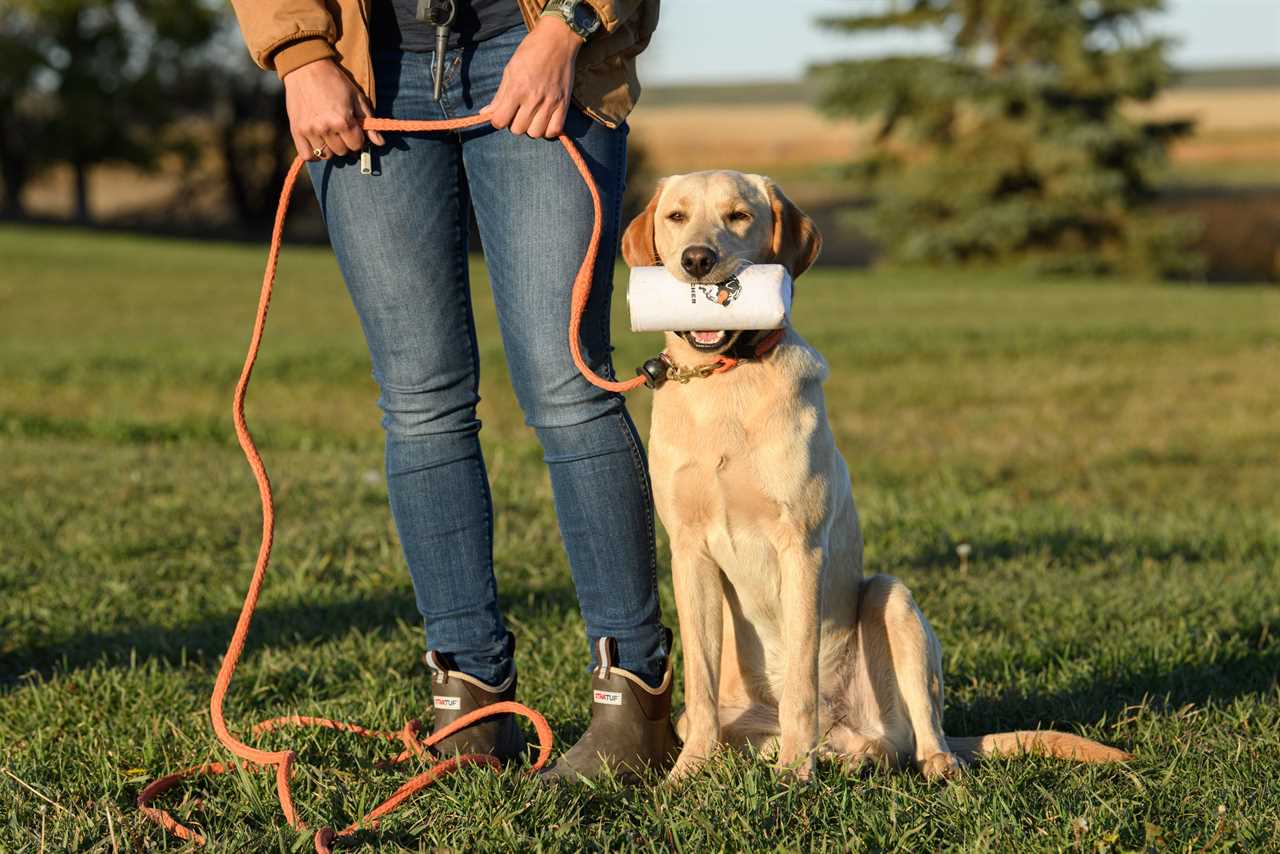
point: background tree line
(1012, 144)
(92, 82)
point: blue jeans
(401, 240)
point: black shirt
(394, 23)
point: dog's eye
(739, 216)
(676, 216)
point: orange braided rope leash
(254, 758)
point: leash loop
(252, 758)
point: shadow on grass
(276, 625)
(1154, 684)
(1248, 664)
(586, 806)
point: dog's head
(706, 226)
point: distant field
(1236, 126)
(1230, 166)
(772, 128)
(1108, 449)
(767, 91)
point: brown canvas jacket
(285, 34)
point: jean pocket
(483, 63)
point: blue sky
(726, 40)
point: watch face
(585, 17)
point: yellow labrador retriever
(786, 646)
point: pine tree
(1014, 144)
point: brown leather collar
(660, 368)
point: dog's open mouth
(701, 339)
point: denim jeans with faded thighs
(400, 236)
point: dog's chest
(710, 483)
(721, 491)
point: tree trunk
(235, 178)
(15, 179)
(15, 170)
(82, 190)
(282, 154)
(252, 170)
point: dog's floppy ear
(796, 239)
(638, 246)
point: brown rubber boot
(454, 694)
(630, 731)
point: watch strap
(577, 15)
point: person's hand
(533, 97)
(325, 110)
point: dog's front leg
(699, 589)
(801, 566)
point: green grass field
(1109, 450)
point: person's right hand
(325, 111)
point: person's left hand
(533, 97)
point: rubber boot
(630, 732)
(454, 694)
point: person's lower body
(400, 235)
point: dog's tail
(1060, 745)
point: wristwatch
(578, 15)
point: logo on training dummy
(450, 703)
(608, 698)
(721, 294)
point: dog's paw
(795, 770)
(689, 763)
(941, 766)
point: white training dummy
(758, 297)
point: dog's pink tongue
(707, 336)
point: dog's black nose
(698, 260)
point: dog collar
(661, 368)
